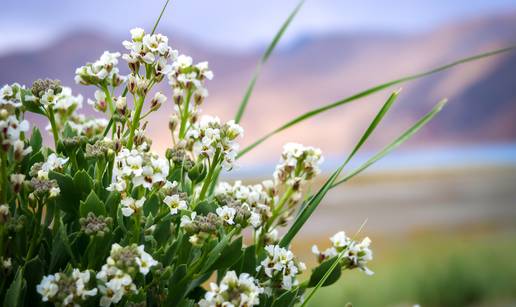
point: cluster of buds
(45, 91)
(216, 141)
(88, 127)
(115, 279)
(201, 228)
(93, 225)
(44, 187)
(66, 289)
(102, 73)
(355, 254)
(281, 266)
(298, 165)
(100, 149)
(233, 290)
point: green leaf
(318, 274)
(263, 60)
(247, 263)
(16, 293)
(400, 140)
(68, 199)
(229, 255)
(287, 299)
(33, 273)
(177, 286)
(151, 205)
(216, 251)
(31, 106)
(83, 183)
(92, 204)
(368, 92)
(36, 140)
(206, 206)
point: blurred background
(441, 211)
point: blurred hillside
(321, 69)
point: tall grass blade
(159, 17)
(312, 202)
(368, 92)
(263, 60)
(400, 140)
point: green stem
(109, 99)
(5, 182)
(207, 180)
(53, 125)
(184, 115)
(136, 121)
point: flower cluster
(64, 289)
(253, 197)
(188, 79)
(354, 254)
(215, 141)
(116, 276)
(281, 266)
(298, 164)
(233, 290)
(53, 163)
(139, 168)
(102, 72)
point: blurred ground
(441, 238)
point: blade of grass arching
(263, 60)
(378, 118)
(312, 202)
(332, 181)
(125, 91)
(400, 140)
(365, 93)
(159, 17)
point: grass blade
(368, 92)
(159, 17)
(400, 140)
(312, 202)
(265, 57)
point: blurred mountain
(317, 70)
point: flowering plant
(100, 219)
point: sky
(233, 24)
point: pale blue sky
(230, 23)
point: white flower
(227, 214)
(281, 262)
(145, 261)
(187, 220)
(130, 206)
(47, 287)
(54, 192)
(298, 164)
(340, 240)
(233, 291)
(175, 203)
(137, 34)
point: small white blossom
(130, 205)
(233, 290)
(175, 203)
(227, 214)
